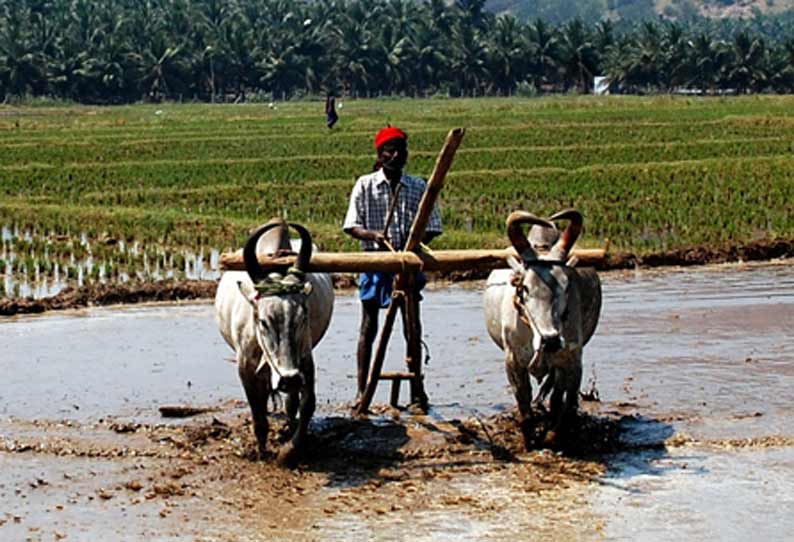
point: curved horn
(252, 266)
(571, 233)
(517, 236)
(305, 254)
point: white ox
(541, 312)
(272, 321)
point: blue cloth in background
(331, 118)
(378, 286)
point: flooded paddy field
(39, 264)
(693, 436)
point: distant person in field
(330, 111)
(368, 220)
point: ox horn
(252, 266)
(305, 254)
(517, 236)
(571, 233)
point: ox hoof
(551, 440)
(261, 454)
(288, 456)
(528, 433)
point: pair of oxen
(540, 312)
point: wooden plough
(405, 263)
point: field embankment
(143, 193)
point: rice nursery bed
(140, 193)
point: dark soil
(686, 256)
(111, 294)
(170, 290)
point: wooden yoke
(395, 262)
(404, 295)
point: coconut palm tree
(637, 60)
(507, 61)
(22, 65)
(747, 68)
(160, 66)
(704, 62)
(782, 67)
(543, 51)
(469, 59)
(578, 56)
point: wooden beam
(434, 186)
(397, 262)
(380, 353)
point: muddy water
(699, 360)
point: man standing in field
(382, 209)
(331, 115)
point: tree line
(121, 51)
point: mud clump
(370, 468)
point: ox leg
(555, 407)
(564, 402)
(558, 377)
(545, 389)
(518, 376)
(290, 452)
(291, 405)
(257, 390)
(574, 382)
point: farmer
(330, 111)
(382, 208)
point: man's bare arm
(363, 234)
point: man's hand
(369, 235)
(380, 239)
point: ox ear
(249, 292)
(307, 288)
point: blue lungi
(378, 286)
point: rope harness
(282, 286)
(536, 366)
(278, 287)
(518, 300)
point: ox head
(280, 310)
(542, 280)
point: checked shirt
(369, 206)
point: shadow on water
(641, 451)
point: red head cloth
(387, 134)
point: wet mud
(686, 432)
(169, 476)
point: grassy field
(648, 173)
